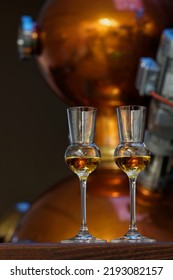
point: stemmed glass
(82, 156)
(132, 156)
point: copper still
(88, 52)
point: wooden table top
(106, 251)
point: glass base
(133, 236)
(83, 237)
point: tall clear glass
(82, 156)
(132, 156)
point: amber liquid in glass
(132, 165)
(82, 165)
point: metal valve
(28, 41)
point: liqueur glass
(82, 156)
(132, 156)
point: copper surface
(56, 214)
(90, 51)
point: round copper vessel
(89, 55)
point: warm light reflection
(108, 22)
(115, 91)
(35, 35)
(149, 28)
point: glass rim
(82, 108)
(131, 107)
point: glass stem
(83, 184)
(132, 182)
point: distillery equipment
(155, 78)
(88, 53)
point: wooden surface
(57, 251)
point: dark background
(33, 124)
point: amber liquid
(82, 165)
(132, 165)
